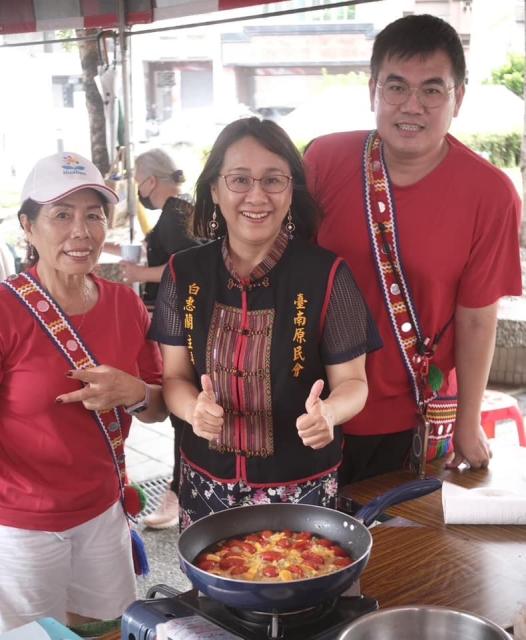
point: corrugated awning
(22, 16)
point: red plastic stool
(497, 406)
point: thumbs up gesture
(316, 426)
(207, 416)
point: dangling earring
(290, 226)
(213, 224)
(31, 253)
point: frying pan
(349, 532)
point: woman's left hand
(316, 427)
(104, 388)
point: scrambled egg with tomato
(273, 556)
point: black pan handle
(164, 589)
(407, 491)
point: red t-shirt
(459, 244)
(56, 470)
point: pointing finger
(74, 396)
(84, 375)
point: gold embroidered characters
(189, 309)
(298, 340)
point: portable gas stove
(323, 622)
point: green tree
(511, 74)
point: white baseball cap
(56, 176)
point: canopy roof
(20, 16)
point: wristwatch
(142, 405)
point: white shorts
(87, 570)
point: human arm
(184, 399)
(474, 344)
(132, 272)
(348, 385)
(105, 388)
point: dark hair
(305, 212)
(32, 209)
(419, 35)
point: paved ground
(149, 458)
(149, 450)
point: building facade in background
(186, 83)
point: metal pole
(130, 190)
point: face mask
(146, 202)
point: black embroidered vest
(260, 343)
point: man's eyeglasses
(396, 93)
(241, 183)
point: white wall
(30, 125)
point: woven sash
(63, 335)
(415, 349)
(56, 324)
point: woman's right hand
(207, 416)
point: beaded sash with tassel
(56, 324)
(433, 438)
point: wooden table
(417, 559)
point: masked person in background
(430, 230)
(75, 365)
(159, 185)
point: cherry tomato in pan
(323, 542)
(296, 570)
(342, 562)
(339, 552)
(270, 571)
(303, 535)
(238, 569)
(301, 545)
(231, 561)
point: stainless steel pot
(422, 623)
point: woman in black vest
(263, 334)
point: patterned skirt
(200, 496)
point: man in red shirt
(456, 240)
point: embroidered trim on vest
(262, 269)
(240, 362)
(248, 285)
(248, 332)
(189, 310)
(298, 340)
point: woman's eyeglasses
(241, 183)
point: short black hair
(305, 212)
(419, 35)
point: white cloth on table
(482, 505)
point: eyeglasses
(396, 93)
(241, 183)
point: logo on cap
(72, 166)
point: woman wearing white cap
(74, 364)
